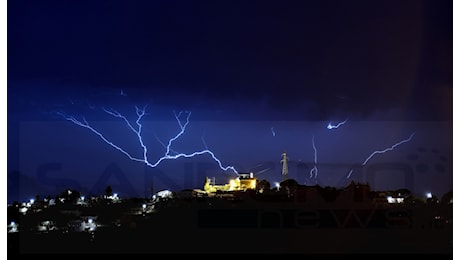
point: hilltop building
(243, 182)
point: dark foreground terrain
(228, 231)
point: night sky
(259, 77)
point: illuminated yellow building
(241, 183)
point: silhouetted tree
(70, 196)
(263, 185)
(433, 200)
(447, 197)
(108, 191)
(290, 186)
(289, 183)
(403, 192)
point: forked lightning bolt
(137, 129)
(383, 151)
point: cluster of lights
(391, 200)
(114, 197)
(13, 227)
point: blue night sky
(259, 77)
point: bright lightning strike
(331, 126)
(383, 151)
(314, 170)
(137, 129)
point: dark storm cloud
(309, 59)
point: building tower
(284, 160)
